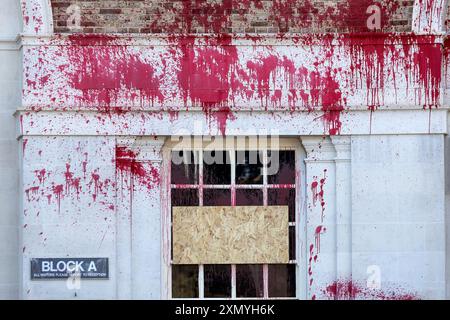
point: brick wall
(250, 16)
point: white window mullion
(265, 203)
(233, 281)
(266, 281)
(201, 282)
(201, 269)
(233, 204)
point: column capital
(342, 145)
(145, 148)
(318, 148)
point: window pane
(282, 280)
(248, 167)
(283, 197)
(184, 167)
(217, 281)
(249, 281)
(185, 281)
(291, 243)
(249, 197)
(216, 197)
(281, 167)
(184, 197)
(216, 167)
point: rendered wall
(10, 70)
(398, 212)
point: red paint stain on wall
(350, 290)
(103, 71)
(58, 191)
(129, 166)
(207, 76)
(319, 230)
(317, 191)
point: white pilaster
(139, 220)
(123, 228)
(342, 145)
(321, 215)
(146, 222)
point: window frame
(284, 144)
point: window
(235, 178)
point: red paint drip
(207, 76)
(103, 72)
(33, 191)
(97, 186)
(317, 190)
(58, 192)
(317, 232)
(128, 165)
(24, 144)
(40, 175)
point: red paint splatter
(71, 182)
(32, 190)
(207, 76)
(40, 175)
(319, 230)
(317, 190)
(58, 192)
(24, 144)
(97, 185)
(128, 165)
(103, 71)
(350, 290)
(84, 165)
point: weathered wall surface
(221, 76)
(398, 212)
(10, 69)
(69, 204)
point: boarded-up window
(233, 235)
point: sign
(62, 268)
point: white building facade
(90, 123)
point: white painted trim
(87, 123)
(263, 39)
(10, 43)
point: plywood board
(230, 235)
